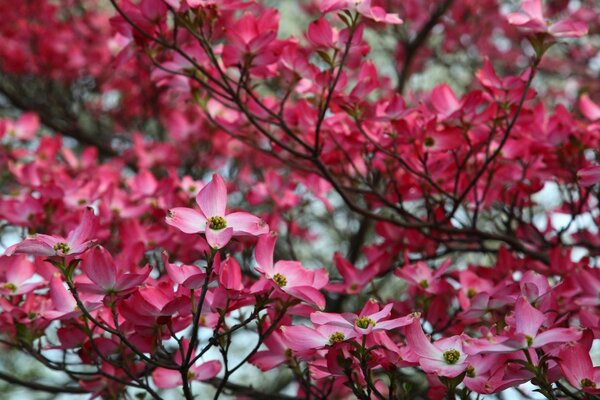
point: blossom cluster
(375, 244)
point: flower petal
(212, 199)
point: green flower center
(470, 372)
(424, 284)
(429, 141)
(217, 223)
(62, 247)
(451, 356)
(336, 338)
(587, 383)
(10, 286)
(364, 322)
(471, 293)
(529, 340)
(280, 280)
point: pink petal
(18, 268)
(441, 368)
(99, 266)
(444, 101)
(323, 318)
(218, 239)
(418, 342)
(245, 223)
(517, 18)
(212, 199)
(207, 370)
(166, 378)
(528, 319)
(320, 33)
(84, 230)
(265, 247)
(568, 28)
(32, 247)
(302, 338)
(534, 9)
(394, 323)
(576, 364)
(556, 335)
(588, 108)
(266, 360)
(62, 299)
(230, 274)
(186, 219)
(307, 293)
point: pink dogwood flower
(363, 7)
(99, 266)
(212, 218)
(577, 367)
(290, 276)
(76, 242)
(369, 320)
(15, 272)
(445, 357)
(354, 279)
(532, 18)
(303, 338)
(169, 378)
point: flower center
(62, 247)
(471, 293)
(217, 223)
(429, 141)
(336, 338)
(424, 284)
(10, 286)
(529, 340)
(364, 322)
(280, 280)
(587, 383)
(451, 356)
(470, 371)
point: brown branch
(414, 45)
(40, 386)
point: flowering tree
(190, 192)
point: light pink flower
(532, 18)
(369, 320)
(99, 266)
(76, 241)
(290, 276)
(212, 218)
(577, 367)
(444, 357)
(363, 7)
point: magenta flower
(290, 276)
(99, 266)
(76, 241)
(444, 357)
(532, 18)
(354, 279)
(577, 367)
(304, 338)
(169, 378)
(363, 7)
(212, 219)
(528, 322)
(369, 320)
(15, 272)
